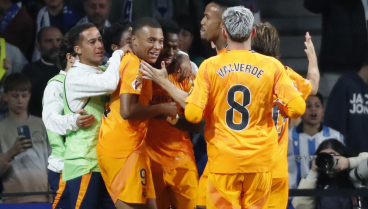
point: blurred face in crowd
(314, 111)
(171, 43)
(49, 43)
(17, 100)
(97, 11)
(211, 23)
(53, 3)
(185, 40)
(90, 47)
(126, 38)
(148, 42)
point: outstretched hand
(310, 51)
(183, 68)
(152, 73)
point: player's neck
(363, 73)
(231, 45)
(18, 116)
(311, 129)
(220, 43)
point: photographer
(329, 176)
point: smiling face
(147, 43)
(17, 101)
(170, 49)
(90, 47)
(211, 23)
(314, 111)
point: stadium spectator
(339, 179)
(347, 108)
(304, 138)
(41, 71)
(96, 13)
(22, 168)
(56, 14)
(16, 26)
(186, 37)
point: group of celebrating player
(133, 150)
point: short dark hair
(145, 21)
(39, 34)
(224, 4)
(17, 82)
(112, 35)
(169, 26)
(319, 96)
(74, 34)
(65, 48)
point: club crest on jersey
(137, 83)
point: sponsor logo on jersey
(137, 83)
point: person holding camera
(24, 146)
(329, 170)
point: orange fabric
(83, 189)
(121, 178)
(177, 188)
(136, 184)
(279, 193)
(167, 146)
(202, 188)
(119, 137)
(222, 51)
(246, 126)
(282, 126)
(59, 192)
(250, 190)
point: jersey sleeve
(284, 88)
(200, 91)
(303, 85)
(131, 80)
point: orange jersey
(119, 137)
(236, 90)
(282, 124)
(167, 146)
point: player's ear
(77, 49)
(114, 47)
(224, 34)
(134, 40)
(253, 32)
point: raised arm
(313, 74)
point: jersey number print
(235, 106)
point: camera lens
(325, 162)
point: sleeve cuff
(75, 127)
(312, 176)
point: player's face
(126, 37)
(17, 100)
(148, 43)
(49, 44)
(314, 111)
(185, 40)
(97, 11)
(211, 23)
(91, 48)
(170, 49)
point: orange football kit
(235, 90)
(124, 165)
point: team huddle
(127, 143)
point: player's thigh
(202, 188)
(224, 191)
(128, 180)
(183, 188)
(279, 194)
(161, 190)
(84, 192)
(256, 189)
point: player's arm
(182, 66)
(313, 74)
(160, 77)
(183, 124)
(292, 102)
(131, 109)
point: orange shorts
(128, 179)
(177, 188)
(279, 193)
(243, 190)
(202, 188)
